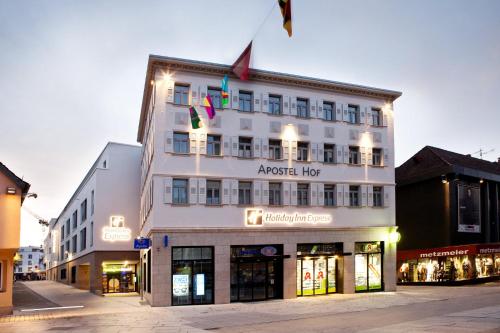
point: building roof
(432, 162)
(194, 66)
(24, 186)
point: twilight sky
(72, 73)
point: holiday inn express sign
(259, 217)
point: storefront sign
(142, 243)
(281, 171)
(180, 284)
(258, 217)
(116, 230)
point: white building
(30, 262)
(289, 191)
(90, 245)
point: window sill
(246, 158)
(180, 105)
(305, 162)
(354, 207)
(180, 204)
(249, 112)
(213, 156)
(245, 205)
(330, 121)
(276, 160)
(305, 118)
(355, 165)
(213, 205)
(330, 163)
(181, 154)
(273, 114)
(377, 166)
(377, 126)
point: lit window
(244, 193)
(181, 94)
(181, 143)
(275, 104)
(246, 101)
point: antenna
(481, 152)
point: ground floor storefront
(452, 264)
(6, 279)
(101, 272)
(186, 267)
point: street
(411, 309)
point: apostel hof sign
(260, 217)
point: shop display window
(484, 266)
(368, 266)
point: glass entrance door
(316, 276)
(368, 271)
(254, 280)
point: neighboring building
(90, 244)
(30, 263)
(12, 192)
(289, 191)
(447, 211)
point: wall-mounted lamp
(481, 181)
(394, 237)
(444, 180)
(11, 190)
(152, 82)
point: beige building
(12, 192)
(287, 192)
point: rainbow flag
(225, 91)
(195, 119)
(209, 107)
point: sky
(72, 73)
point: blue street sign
(165, 240)
(142, 243)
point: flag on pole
(209, 107)
(225, 91)
(195, 119)
(286, 11)
(241, 66)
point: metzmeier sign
(259, 217)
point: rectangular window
(376, 117)
(302, 108)
(216, 96)
(275, 194)
(213, 145)
(275, 104)
(181, 143)
(275, 149)
(329, 194)
(67, 249)
(92, 233)
(377, 196)
(68, 225)
(377, 156)
(244, 193)
(213, 192)
(61, 254)
(83, 209)
(302, 151)
(30, 256)
(73, 244)
(62, 232)
(328, 111)
(303, 194)
(245, 147)
(353, 113)
(354, 196)
(246, 101)
(83, 239)
(180, 191)
(329, 153)
(354, 155)
(181, 94)
(63, 274)
(92, 198)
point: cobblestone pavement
(411, 309)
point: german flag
(286, 12)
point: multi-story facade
(13, 190)
(90, 244)
(30, 263)
(288, 191)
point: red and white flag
(241, 66)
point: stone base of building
(100, 272)
(199, 266)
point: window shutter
(313, 194)
(370, 195)
(234, 145)
(345, 116)
(387, 195)
(169, 141)
(293, 106)
(256, 193)
(319, 111)
(286, 150)
(234, 192)
(321, 194)
(339, 158)
(193, 191)
(321, 152)
(345, 149)
(364, 194)
(338, 115)
(202, 191)
(256, 102)
(256, 147)
(265, 148)
(192, 141)
(168, 190)
(226, 191)
(236, 99)
(362, 115)
(294, 150)
(170, 91)
(385, 161)
(369, 119)
(385, 122)
(265, 102)
(346, 195)
(314, 152)
(227, 146)
(313, 107)
(265, 192)
(369, 155)
(293, 192)
(286, 193)
(203, 143)
(286, 104)
(340, 194)
(363, 155)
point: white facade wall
(31, 261)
